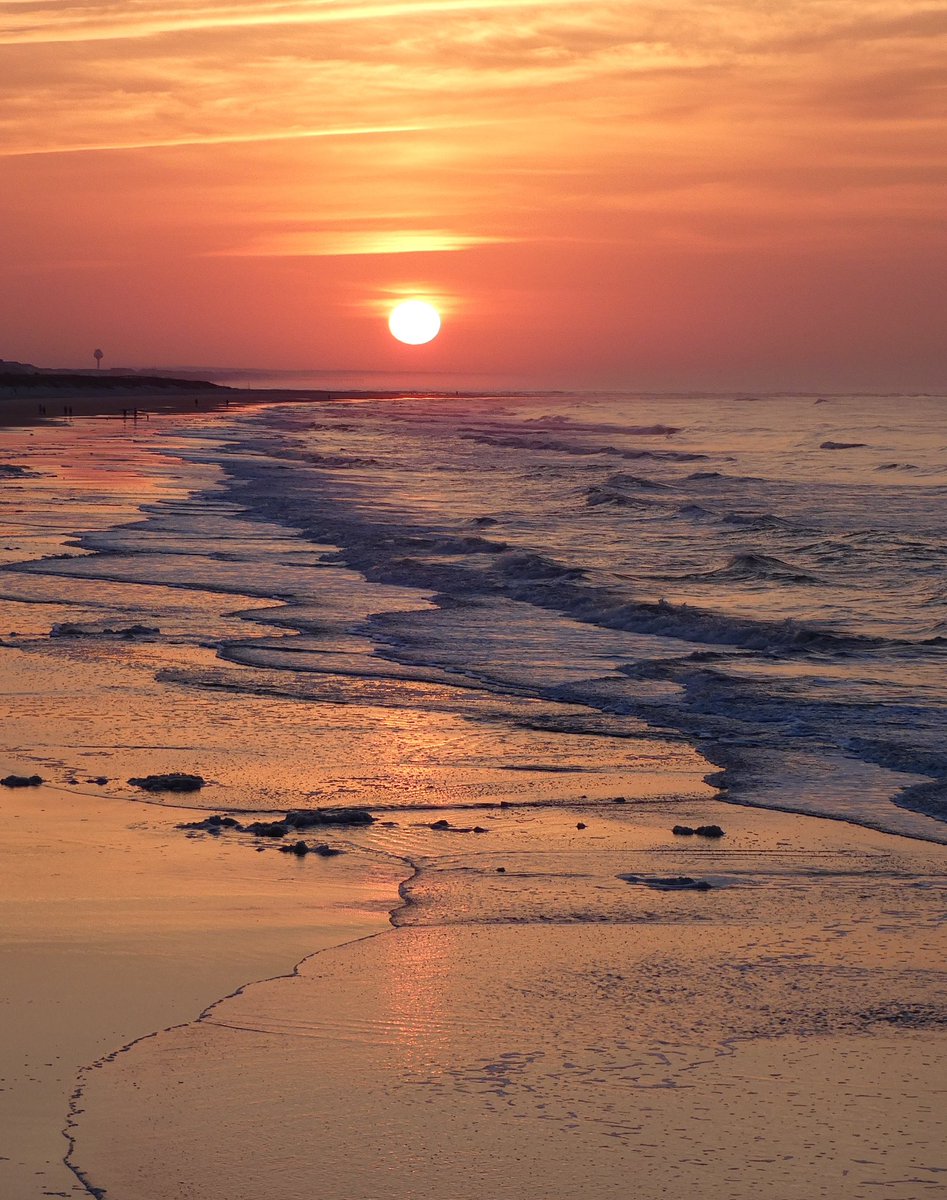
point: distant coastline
(30, 395)
(87, 381)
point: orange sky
(730, 194)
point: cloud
(211, 140)
(281, 129)
(342, 243)
(35, 21)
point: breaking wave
(757, 567)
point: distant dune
(20, 378)
(29, 394)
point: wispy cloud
(36, 21)
(213, 140)
(343, 243)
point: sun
(414, 322)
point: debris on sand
(301, 849)
(305, 818)
(212, 823)
(265, 828)
(69, 629)
(669, 883)
(174, 782)
(443, 824)
(707, 831)
(294, 820)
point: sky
(713, 195)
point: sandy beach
(113, 924)
(112, 929)
(517, 980)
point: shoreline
(150, 925)
(573, 879)
(74, 1110)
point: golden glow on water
(416, 1015)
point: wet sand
(558, 1031)
(114, 925)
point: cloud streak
(343, 243)
(66, 22)
(216, 140)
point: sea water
(758, 579)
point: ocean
(603, 582)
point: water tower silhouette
(97, 355)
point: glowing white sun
(414, 322)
